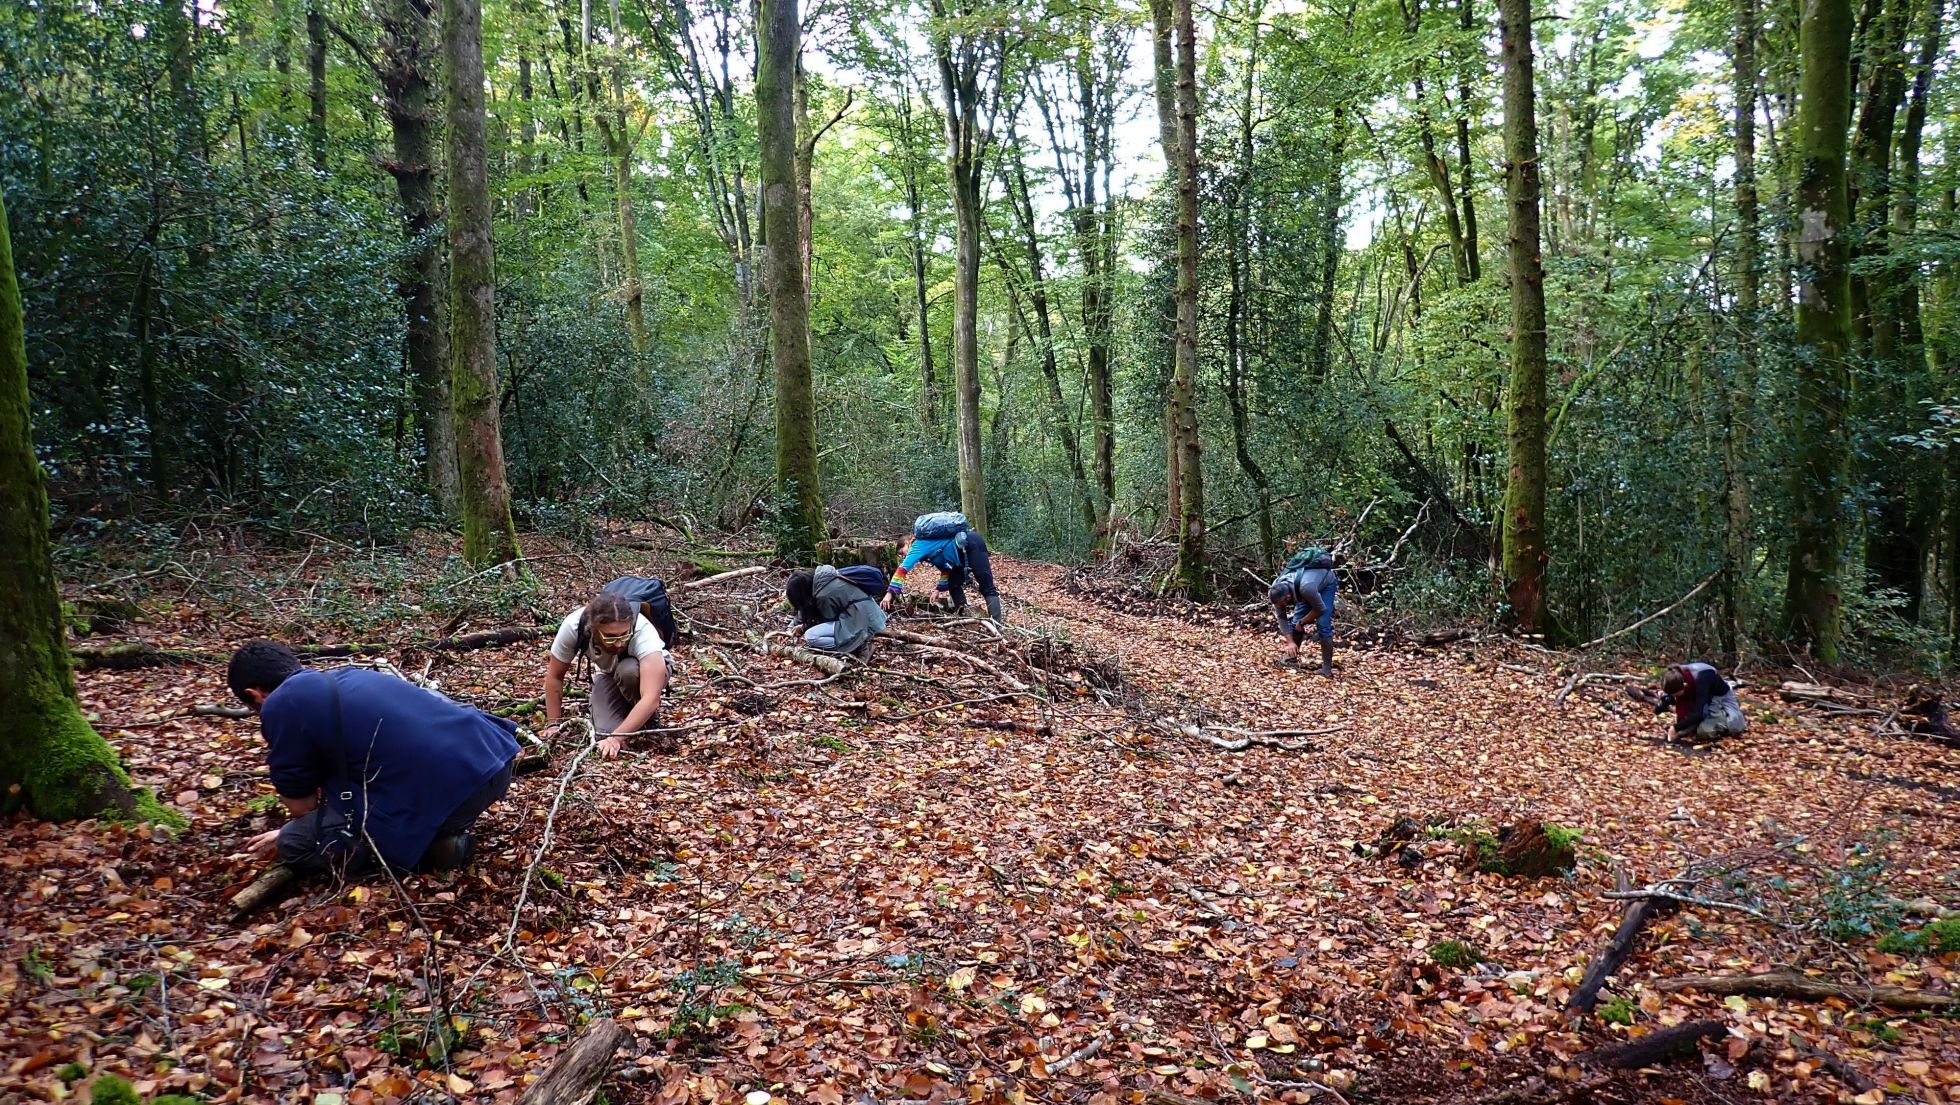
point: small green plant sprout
(1454, 954)
(73, 1072)
(835, 744)
(1619, 1010)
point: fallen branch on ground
(1664, 894)
(931, 644)
(139, 654)
(1579, 680)
(833, 665)
(1790, 984)
(1246, 738)
(271, 883)
(1607, 963)
(1655, 1047)
(722, 577)
(575, 1076)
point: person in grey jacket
(839, 614)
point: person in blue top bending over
(1303, 595)
(369, 765)
(944, 540)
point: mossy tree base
(846, 551)
(1526, 850)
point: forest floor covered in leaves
(919, 883)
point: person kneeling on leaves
(1304, 594)
(630, 666)
(944, 541)
(837, 605)
(369, 765)
(1705, 707)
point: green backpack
(1311, 557)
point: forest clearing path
(848, 889)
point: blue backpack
(939, 525)
(868, 578)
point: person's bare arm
(554, 688)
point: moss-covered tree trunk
(1812, 597)
(488, 535)
(799, 494)
(49, 757)
(1524, 489)
(1190, 570)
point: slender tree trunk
(1466, 177)
(928, 382)
(961, 80)
(62, 767)
(488, 535)
(1092, 229)
(1524, 491)
(799, 493)
(316, 86)
(1901, 476)
(1020, 198)
(1812, 598)
(1238, 301)
(1163, 34)
(406, 62)
(1320, 340)
(1737, 545)
(1190, 570)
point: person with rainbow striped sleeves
(943, 540)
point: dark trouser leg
(322, 843)
(981, 564)
(452, 847)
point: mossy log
(846, 551)
(1790, 984)
(1527, 850)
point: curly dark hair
(260, 666)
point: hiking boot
(1327, 659)
(448, 853)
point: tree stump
(846, 551)
(1527, 850)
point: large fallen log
(1790, 984)
(575, 1076)
(1655, 1047)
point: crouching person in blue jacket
(945, 541)
(1303, 595)
(373, 769)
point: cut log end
(271, 885)
(575, 1077)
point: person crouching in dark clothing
(1705, 707)
(373, 768)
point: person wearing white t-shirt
(630, 666)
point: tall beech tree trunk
(404, 66)
(1737, 549)
(799, 494)
(1524, 490)
(968, 113)
(1238, 378)
(488, 535)
(63, 768)
(1466, 178)
(1094, 235)
(1812, 598)
(1190, 569)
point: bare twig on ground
(1790, 984)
